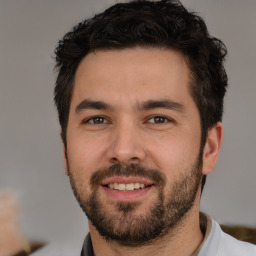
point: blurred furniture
(242, 233)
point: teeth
(126, 187)
(121, 187)
(136, 185)
(129, 186)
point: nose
(126, 146)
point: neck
(180, 241)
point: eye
(159, 120)
(96, 120)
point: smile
(126, 187)
(121, 188)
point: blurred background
(30, 147)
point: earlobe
(212, 148)
(64, 156)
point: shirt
(215, 242)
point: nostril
(114, 160)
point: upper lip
(126, 180)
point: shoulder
(231, 246)
(218, 243)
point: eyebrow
(147, 105)
(168, 104)
(90, 104)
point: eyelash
(92, 119)
(161, 120)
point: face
(133, 142)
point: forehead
(134, 74)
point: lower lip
(126, 195)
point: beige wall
(30, 148)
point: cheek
(174, 154)
(85, 153)
(80, 167)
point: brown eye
(158, 120)
(97, 120)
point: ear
(212, 148)
(65, 161)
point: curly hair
(160, 24)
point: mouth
(126, 188)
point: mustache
(158, 178)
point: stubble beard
(123, 225)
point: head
(161, 24)
(156, 26)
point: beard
(123, 225)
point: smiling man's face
(133, 142)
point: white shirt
(215, 243)
(218, 243)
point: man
(140, 95)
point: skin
(127, 133)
